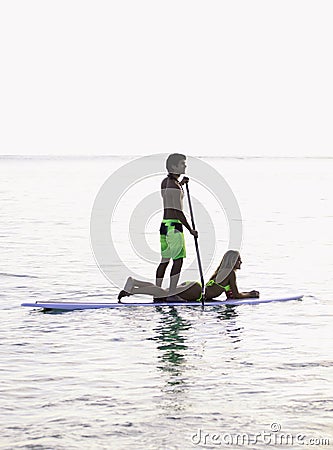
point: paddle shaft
(196, 248)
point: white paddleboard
(71, 306)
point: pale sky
(140, 77)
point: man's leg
(161, 271)
(175, 274)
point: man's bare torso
(172, 195)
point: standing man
(171, 230)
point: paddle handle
(196, 248)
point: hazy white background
(139, 77)
(234, 78)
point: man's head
(176, 163)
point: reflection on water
(174, 336)
(171, 337)
(226, 313)
(229, 314)
(171, 345)
(171, 341)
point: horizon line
(82, 156)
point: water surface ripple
(155, 378)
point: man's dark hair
(173, 160)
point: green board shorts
(172, 239)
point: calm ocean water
(166, 378)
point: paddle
(196, 248)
